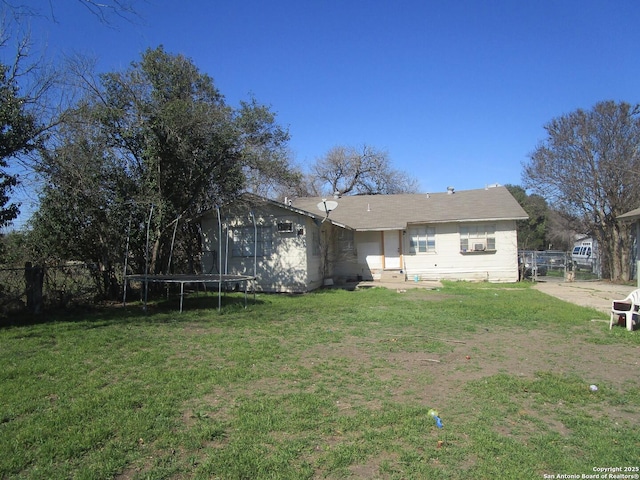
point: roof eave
(431, 222)
(629, 216)
(467, 220)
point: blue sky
(457, 92)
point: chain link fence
(549, 265)
(34, 288)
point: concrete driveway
(594, 294)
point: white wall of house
(366, 260)
(448, 262)
(370, 254)
(281, 264)
(315, 254)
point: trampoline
(220, 280)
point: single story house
(302, 244)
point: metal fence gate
(554, 265)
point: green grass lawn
(333, 384)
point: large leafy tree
(32, 94)
(589, 167)
(531, 232)
(267, 165)
(156, 141)
(176, 137)
(83, 204)
(18, 133)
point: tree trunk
(623, 243)
(34, 278)
(615, 255)
(155, 253)
(110, 286)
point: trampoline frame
(182, 279)
(218, 279)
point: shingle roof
(388, 212)
(632, 215)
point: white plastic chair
(628, 308)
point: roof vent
(450, 190)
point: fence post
(33, 276)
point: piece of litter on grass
(434, 413)
(593, 388)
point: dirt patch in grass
(409, 372)
(364, 375)
(525, 353)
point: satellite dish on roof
(327, 206)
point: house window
(244, 242)
(477, 238)
(422, 239)
(315, 243)
(345, 243)
(285, 227)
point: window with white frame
(244, 241)
(477, 238)
(422, 239)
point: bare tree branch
(104, 11)
(366, 170)
(585, 169)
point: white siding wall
(370, 253)
(284, 270)
(313, 234)
(449, 263)
(368, 262)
